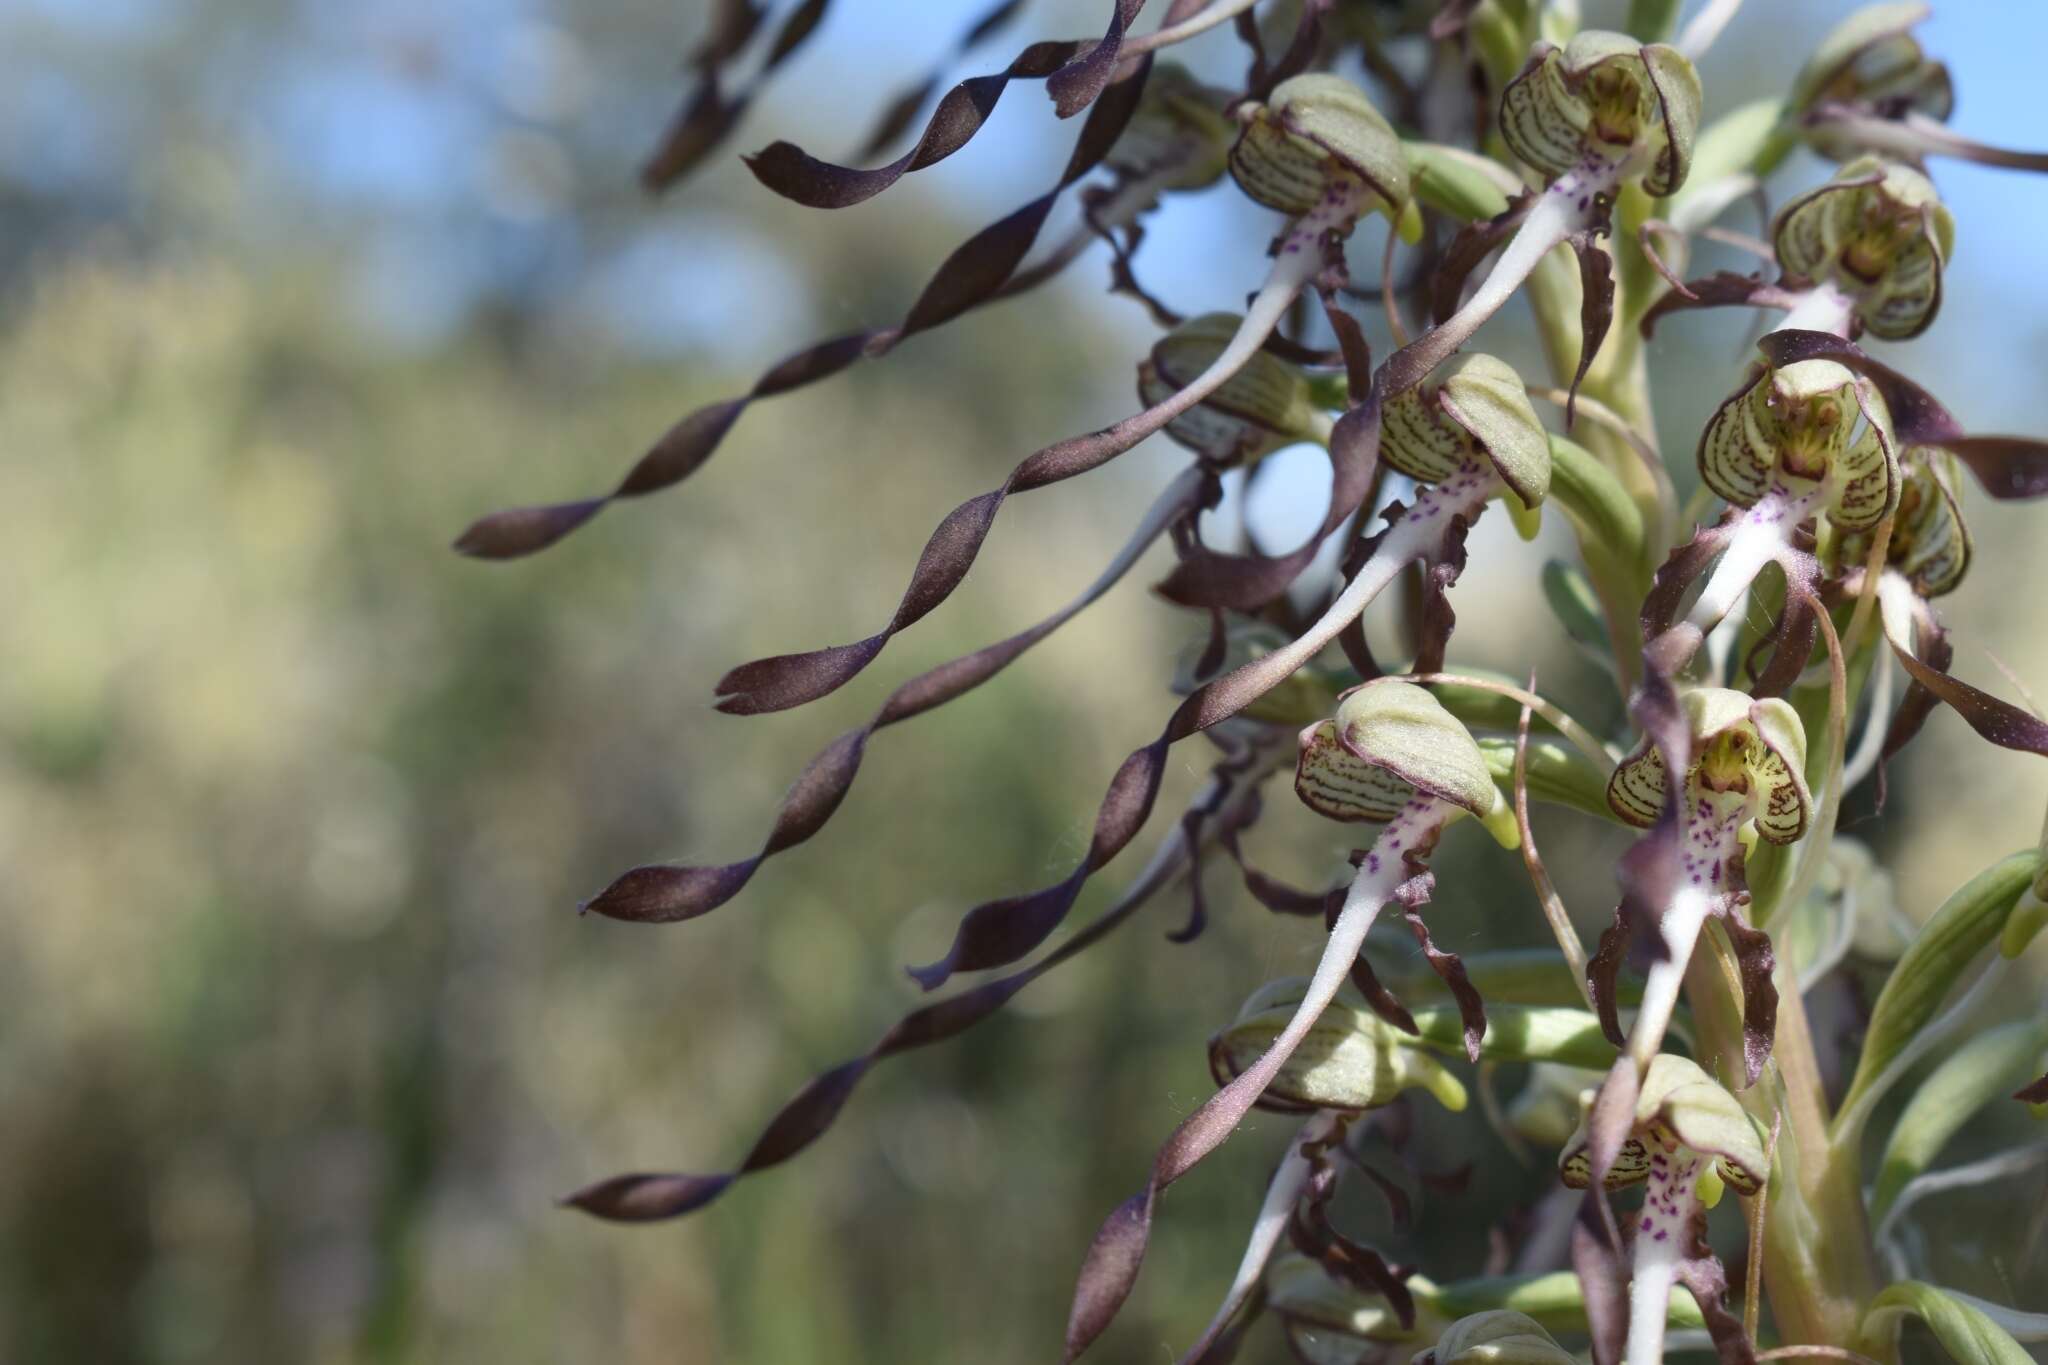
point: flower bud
(1606, 99)
(1499, 1337)
(1797, 426)
(1746, 755)
(1930, 542)
(1314, 136)
(1479, 411)
(1679, 1106)
(1390, 742)
(1267, 404)
(1879, 232)
(1351, 1059)
(1179, 132)
(1872, 62)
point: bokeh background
(300, 1036)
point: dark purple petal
(896, 118)
(1722, 289)
(980, 271)
(793, 173)
(1791, 644)
(1596, 311)
(1936, 651)
(663, 894)
(1206, 578)
(1075, 86)
(2001, 722)
(2037, 1093)
(648, 1198)
(2007, 467)
(1108, 1272)
(1603, 1276)
(1301, 52)
(1451, 968)
(707, 116)
(1603, 971)
(1755, 963)
(1471, 246)
(1353, 1263)
(1384, 1002)
(1436, 620)
(640, 1198)
(1701, 1272)
(1917, 417)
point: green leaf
(1557, 773)
(1570, 595)
(1555, 1300)
(1981, 1071)
(1498, 1336)
(1965, 1331)
(1935, 961)
(1523, 1033)
(1445, 179)
(1511, 976)
(1652, 21)
(1608, 521)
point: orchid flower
(1266, 404)
(1600, 111)
(1745, 780)
(1794, 443)
(1688, 1139)
(1391, 754)
(1873, 240)
(1871, 86)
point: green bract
(1930, 542)
(1317, 137)
(1879, 232)
(1604, 99)
(1751, 750)
(1351, 1059)
(1478, 411)
(1679, 1105)
(1796, 429)
(1265, 405)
